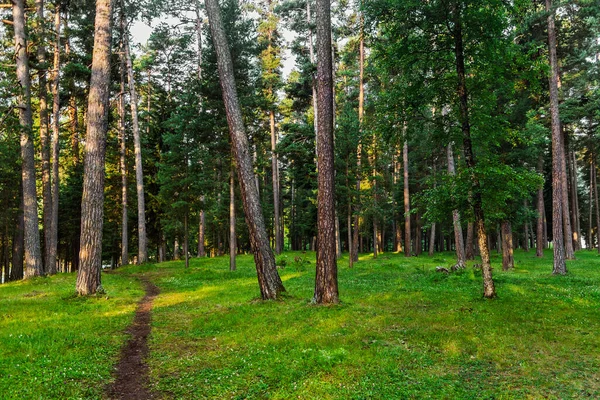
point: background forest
(403, 180)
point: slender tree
(139, 172)
(268, 278)
(33, 256)
(232, 234)
(55, 142)
(92, 203)
(407, 237)
(560, 266)
(458, 235)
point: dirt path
(131, 371)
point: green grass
(401, 331)
(54, 345)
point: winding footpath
(131, 372)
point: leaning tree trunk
(92, 202)
(560, 266)
(489, 290)
(326, 285)
(33, 255)
(458, 235)
(55, 143)
(49, 255)
(139, 172)
(407, 238)
(268, 278)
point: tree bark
(508, 261)
(268, 278)
(44, 137)
(90, 253)
(489, 290)
(18, 245)
(232, 235)
(123, 153)
(575, 203)
(276, 196)
(33, 255)
(407, 238)
(326, 285)
(557, 153)
(458, 235)
(201, 233)
(361, 108)
(55, 143)
(594, 173)
(139, 172)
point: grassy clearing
(54, 345)
(401, 331)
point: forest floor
(402, 330)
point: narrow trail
(131, 371)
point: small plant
(300, 263)
(281, 262)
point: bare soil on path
(131, 372)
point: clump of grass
(55, 345)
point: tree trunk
(123, 140)
(594, 173)
(432, 239)
(575, 203)
(489, 290)
(33, 256)
(232, 235)
(349, 239)
(201, 233)
(407, 238)
(526, 231)
(92, 203)
(44, 135)
(361, 108)
(18, 245)
(268, 278)
(186, 240)
(508, 261)
(276, 196)
(469, 250)
(139, 172)
(326, 285)
(338, 237)
(53, 231)
(590, 238)
(458, 234)
(557, 153)
(418, 235)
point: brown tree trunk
(139, 173)
(92, 203)
(186, 240)
(123, 140)
(558, 215)
(539, 236)
(489, 290)
(268, 278)
(232, 235)
(458, 235)
(469, 250)
(201, 225)
(575, 203)
(432, 239)
(44, 134)
(407, 238)
(276, 196)
(18, 245)
(508, 261)
(55, 143)
(361, 108)
(594, 173)
(326, 286)
(590, 237)
(33, 255)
